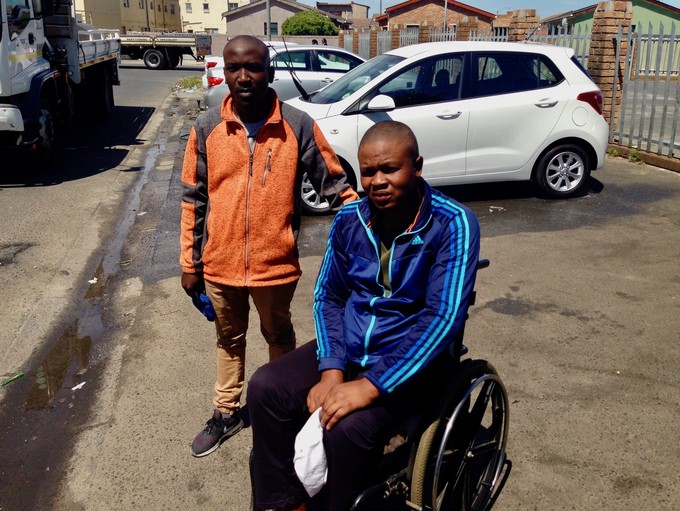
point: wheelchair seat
(453, 455)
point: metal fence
(498, 35)
(649, 111)
(438, 34)
(409, 36)
(563, 36)
(365, 45)
(384, 41)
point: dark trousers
(277, 395)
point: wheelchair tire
(460, 456)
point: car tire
(312, 202)
(154, 59)
(562, 171)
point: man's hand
(192, 283)
(317, 394)
(346, 398)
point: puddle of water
(64, 367)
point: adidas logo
(416, 240)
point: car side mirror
(381, 103)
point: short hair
(249, 39)
(392, 130)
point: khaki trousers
(232, 307)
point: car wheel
(312, 202)
(154, 59)
(562, 171)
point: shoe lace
(213, 424)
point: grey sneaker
(216, 431)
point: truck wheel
(173, 59)
(40, 155)
(103, 95)
(154, 59)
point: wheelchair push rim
(460, 458)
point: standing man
(241, 214)
(391, 297)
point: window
(293, 59)
(432, 80)
(187, 7)
(151, 5)
(126, 3)
(232, 6)
(275, 28)
(505, 73)
(18, 15)
(172, 9)
(165, 7)
(159, 7)
(206, 8)
(332, 61)
(141, 4)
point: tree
(309, 22)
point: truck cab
(47, 67)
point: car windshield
(355, 79)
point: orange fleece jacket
(241, 211)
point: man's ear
(270, 71)
(418, 165)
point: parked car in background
(315, 66)
(482, 112)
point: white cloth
(310, 456)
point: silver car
(315, 66)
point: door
(428, 96)
(22, 44)
(516, 100)
(332, 64)
(298, 62)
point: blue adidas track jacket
(432, 274)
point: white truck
(163, 51)
(50, 67)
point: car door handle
(31, 38)
(326, 80)
(446, 117)
(546, 104)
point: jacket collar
(227, 109)
(423, 216)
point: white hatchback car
(315, 66)
(481, 111)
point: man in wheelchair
(391, 296)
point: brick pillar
(396, 41)
(355, 42)
(341, 39)
(602, 55)
(424, 33)
(522, 23)
(373, 44)
(467, 25)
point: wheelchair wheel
(460, 456)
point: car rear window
(507, 72)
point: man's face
(247, 73)
(389, 173)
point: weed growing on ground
(189, 82)
(635, 157)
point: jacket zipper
(267, 168)
(247, 244)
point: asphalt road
(578, 312)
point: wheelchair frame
(457, 458)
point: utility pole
(269, 22)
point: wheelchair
(454, 456)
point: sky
(544, 8)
